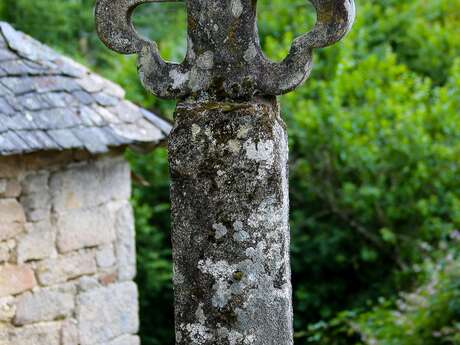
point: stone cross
(228, 163)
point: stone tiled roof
(49, 102)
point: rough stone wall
(67, 251)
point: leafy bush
(154, 276)
(429, 315)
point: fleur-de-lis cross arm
(224, 58)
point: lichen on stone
(224, 59)
(230, 223)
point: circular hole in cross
(280, 22)
(166, 24)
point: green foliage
(151, 206)
(430, 315)
(374, 140)
(67, 25)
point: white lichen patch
(199, 314)
(221, 271)
(198, 79)
(269, 214)
(196, 332)
(178, 277)
(243, 132)
(240, 235)
(256, 252)
(178, 336)
(261, 151)
(237, 8)
(238, 225)
(178, 78)
(234, 146)
(220, 229)
(234, 337)
(208, 133)
(250, 53)
(205, 60)
(222, 294)
(190, 52)
(195, 131)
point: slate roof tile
(94, 139)
(50, 102)
(126, 112)
(20, 122)
(83, 97)
(5, 107)
(6, 55)
(18, 85)
(106, 100)
(14, 143)
(64, 138)
(16, 67)
(90, 117)
(31, 101)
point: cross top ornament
(224, 58)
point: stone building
(67, 248)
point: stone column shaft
(229, 193)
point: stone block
(105, 256)
(37, 206)
(69, 333)
(86, 283)
(11, 212)
(107, 278)
(91, 184)
(15, 279)
(36, 198)
(106, 313)
(126, 242)
(125, 340)
(42, 334)
(37, 242)
(7, 309)
(116, 172)
(36, 183)
(5, 250)
(82, 228)
(13, 188)
(62, 269)
(10, 188)
(10, 230)
(44, 305)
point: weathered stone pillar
(230, 224)
(228, 162)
